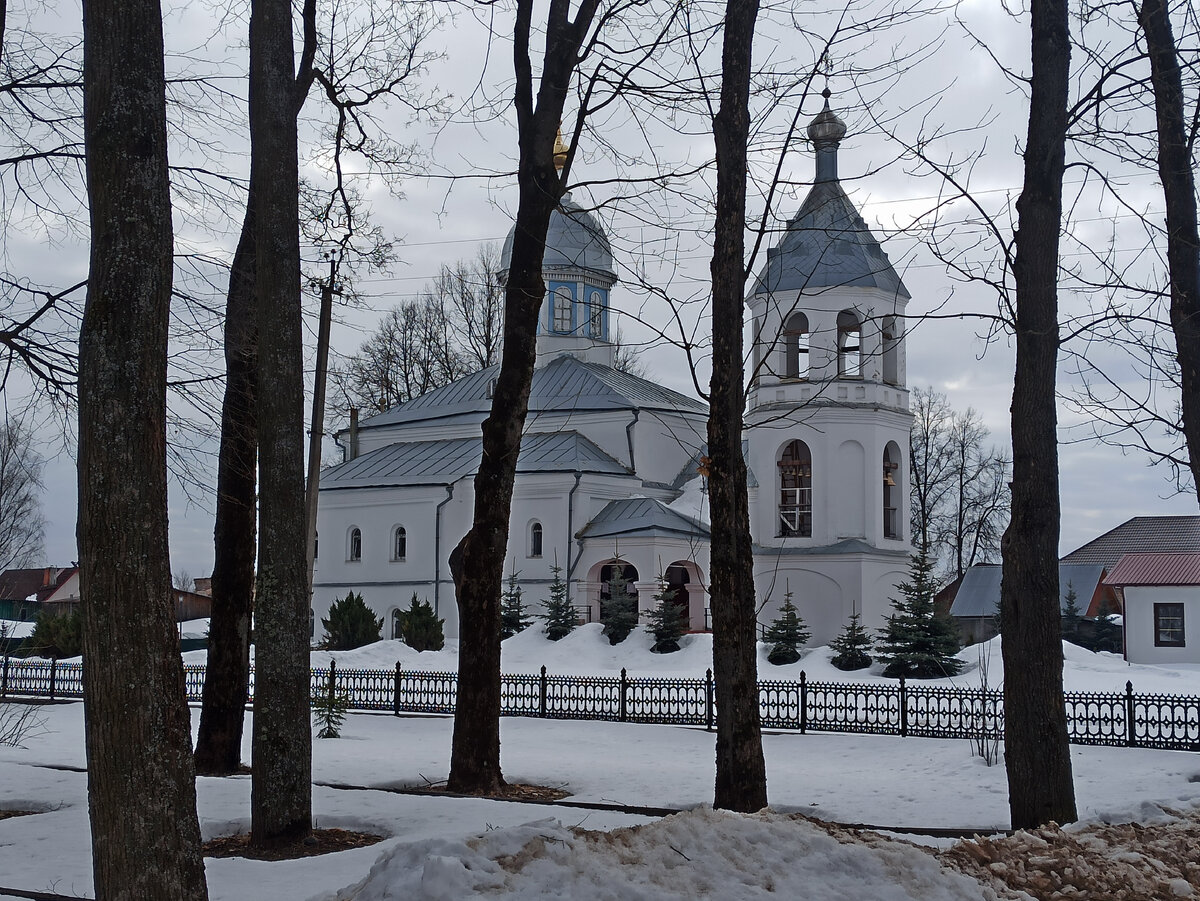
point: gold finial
(560, 150)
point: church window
(891, 491)
(891, 350)
(596, 315)
(535, 540)
(795, 347)
(849, 340)
(312, 624)
(562, 309)
(400, 544)
(795, 491)
(355, 553)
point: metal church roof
(564, 384)
(412, 463)
(641, 515)
(575, 240)
(979, 593)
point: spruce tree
(1071, 616)
(514, 616)
(1107, 635)
(350, 624)
(620, 612)
(786, 634)
(666, 621)
(853, 646)
(916, 642)
(559, 614)
(421, 628)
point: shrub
(421, 628)
(787, 634)
(329, 710)
(667, 621)
(351, 624)
(55, 635)
(853, 646)
(514, 615)
(620, 612)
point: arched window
(400, 544)
(535, 539)
(316, 544)
(562, 310)
(312, 624)
(795, 347)
(596, 315)
(891, 491)
(397, 631)
(795, 491)
(849, 340)
(355, 549)
(891, 350)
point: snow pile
(1152, 859)
(700, 853)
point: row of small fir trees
(619, 613)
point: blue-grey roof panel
(575, 239)
(979, 593)
(565, 383)
(641, 515)
(828, 245)
(440, 462)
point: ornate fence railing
(1170, 722)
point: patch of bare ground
(9, 814)
(319, 841)
(515, 791)
(1120, 862)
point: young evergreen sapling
(514, 616)
(620, 612)
(853, 646)
(350, 624)
(666, 621)
(916, 642)
(1071, 616)
(786, 635)
(421, 628)
(558, 613)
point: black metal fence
(1170, 722)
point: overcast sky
(949, 87)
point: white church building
(610, 468)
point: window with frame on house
(1168, 626)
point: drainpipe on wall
(571, 530)
(437, 549)
(629, 438)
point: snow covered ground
(448, 848)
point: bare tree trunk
(1183, 240)
(141, 786)
(227, 676)
(741, 782)
(1037, 754)
(478, 562)
(281, 798)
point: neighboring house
(1141, 535)
(977, 601)
(612, 469)
(66, 599)
(22, 591)
(1161, 595)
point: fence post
(396, 692)
(4, 683)
(53, 675)
(708, 700)
(1130, 728)
(332, 681)
(903, 708)
(542, 693)
(803, 701)
(622, 709)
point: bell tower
(827, 416)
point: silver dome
(575, 241)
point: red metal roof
(1156, 569)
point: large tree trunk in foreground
(478, 562)
(1037, 754)
(227, 676)
(281, 798)
(741, 782)
(141, 787)
(1183, 239)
